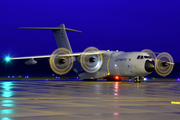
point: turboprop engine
(91, 60)
(62, 60)
(163, 63)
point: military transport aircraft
(110, 65)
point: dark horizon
(42, 68)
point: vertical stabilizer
(62, 38)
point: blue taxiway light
(26, 76)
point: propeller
(61, 64)
(91, 59)
(150, 52)
(163, 62)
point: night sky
(106, 24)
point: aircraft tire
(137, 81)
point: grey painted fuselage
(118, 63)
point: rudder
(61, 38)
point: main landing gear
(137, 79)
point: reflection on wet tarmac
(7, 111)
(88, 100)
(6, 102)
(116, 88)
(5, 118)
(98, 89)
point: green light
(7, 59)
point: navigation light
(7, 59)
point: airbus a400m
(97, 64)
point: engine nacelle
(31, 62)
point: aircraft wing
(43, 56)
(30, 57)
(47, 56)
(7, 59)
(80, 53)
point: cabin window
(141, 57)
(146, 57)
(138, 57)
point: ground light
(145, 79)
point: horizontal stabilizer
(50, 28)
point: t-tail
(59, 34)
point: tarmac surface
(78, 100)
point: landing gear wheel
(137, 80)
